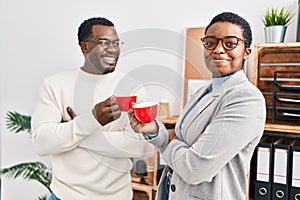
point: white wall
(38, 38)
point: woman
(219, 127)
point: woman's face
(220, 61)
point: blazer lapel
(236, 79)
(197, 96)
(201, 92)
(197, 111)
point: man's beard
(107, 71)
(103, 70)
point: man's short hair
(85, 29)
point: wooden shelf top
(282, 128)
(169, 120)
(284, 44)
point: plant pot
(275, 33)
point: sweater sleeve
(49, 134)
(52, 136)
(124, 144)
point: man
(90, 153)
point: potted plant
(276, 21)
(37, 171)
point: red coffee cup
(145, 112)
(125, 102)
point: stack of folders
(277, 169)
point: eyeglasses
(105, 43)
(228, 42)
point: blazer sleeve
(237, 122)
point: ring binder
(263, 178)
(295, 172)
(280, 185)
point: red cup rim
(145, 104)
(126, 96)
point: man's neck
(90, 70)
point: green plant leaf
(37, 171)
(274, 16)
(29, 171)
(16, 122)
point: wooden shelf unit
(269, 58)
(148, 191)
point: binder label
(280, 166)
(263, 157)
(296, 173)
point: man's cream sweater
(89, 161)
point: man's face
(221, 61)
(102, 49)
